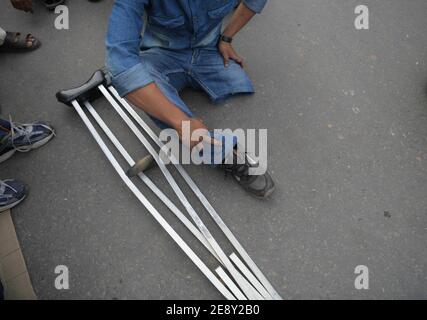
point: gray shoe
(259, 186)
(25, 137)
(6, 149)
(12, 192)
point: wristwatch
(226, 39)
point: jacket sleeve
(123, 46)
(255, 5)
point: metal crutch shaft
(181, 243)
(243, 253)
(244, 284)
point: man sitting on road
(182, 46)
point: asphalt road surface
(346, 114)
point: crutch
(243, 283)
(88, 92)
(215, 216)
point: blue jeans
(200, 69)
(170, 24)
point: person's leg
(170, 70)
(166, 68)
(220, 82)
(2, 36)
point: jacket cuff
(255, 5)
(132, 79)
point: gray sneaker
(12, 192)
(25, 137)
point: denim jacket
(137, 25)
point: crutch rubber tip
(142, 165)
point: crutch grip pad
(86, 92)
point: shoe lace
(4, 185)
(22, 129)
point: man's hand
(240, 18)
(25, 5)
(194, 127)
(228, 53)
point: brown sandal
(52, 4)
(14, 42)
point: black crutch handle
(86, 92)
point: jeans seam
(213, 94)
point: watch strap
(226, 39)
